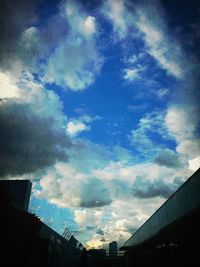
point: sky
(99, 109)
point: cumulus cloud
(85, 217)
(105, 188)
(148, 189)
(99, 185)
(75, 127)
(113, 197)
(76, 61)
(73, 188)
(68, 57)
(167, 158)
(8, 89)
(182, 124)
(181, 121)
(120, 220)
(31, 134)
(61, 185)
(28, 142)
(87, 156)
(94, 193)
(191, 148)
(157, 179)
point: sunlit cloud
(75, 127)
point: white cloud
(89, 27)
(162, 92)
(122, 154)
(122, 219)
(86, 217)
(130, 74)
(95, 242)
(182, 123)
(76, 60)
(8, 89)
(72, 188)
(25, 89)
(125, 215)
(153, 122)
(161, 46)
(191, 148)
(74, 64)
(86, 156)
(116, 12)
(79, 21)
(151, 25)
(115, 171)
(79, 124)
(194, 164)
(61, 185)
(75, 127)
(71, 185)
(100, 183)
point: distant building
(113, 248)
(19, 192)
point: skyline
(99, 109)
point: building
(19, 192)
(171, 235)
(113, 248)
(27, 241)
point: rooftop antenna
(67, 234)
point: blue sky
(99, 109)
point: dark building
(25, 240)
(171, 236)
(113, 248)
(19, 192)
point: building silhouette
(113, 248)
(171, 236)
(25, 240)
(19, 191)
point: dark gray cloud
(29, 31)
(28, 142)
(100, 232)
(15, 17)
(90, 227)
(94, 194)
(50, 35)
(167, 158)
(120, 188)
(149, 189)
